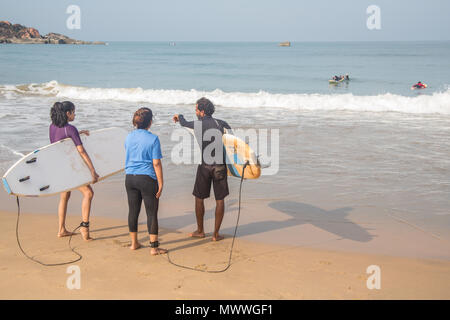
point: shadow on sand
(333, 221)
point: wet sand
(109, 270)
(287, 248)
(310, 219)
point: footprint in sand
(120, 243)
(201, 267)
(145, 274)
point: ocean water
(369, 143)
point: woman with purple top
(61, 114)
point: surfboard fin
(31, 160)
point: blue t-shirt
(141, 148)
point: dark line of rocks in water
(16, 33)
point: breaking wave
(438, 102)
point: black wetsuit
(212, 170)
(207, 123)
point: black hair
(142, 118)
(58, 113)
(204, 104)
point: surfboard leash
(232, 243)
(40, 262)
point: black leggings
(142, 187)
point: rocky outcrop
(29, 33)
(16, 33)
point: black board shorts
(205, 176)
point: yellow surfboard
(237, 154)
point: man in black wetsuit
(208, 132)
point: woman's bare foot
(217, 237)
(64, 233)
(85, 234)
(157, 251)
(197, 234)
(135, 246)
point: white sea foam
(17, 153)
(438, 102)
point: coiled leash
(232, 243)
(86, 224)
(83, 224)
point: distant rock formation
(16, 33)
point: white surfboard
(237, 154)
(58, 167)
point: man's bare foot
(217, 237)
(65, 233)
(157, 251)
(135, 246)
(197, 234)
(85, 234)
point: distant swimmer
(419, 85)
(339, 79)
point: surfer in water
(61, 114)
(144, 178)
(419, 85)
(213, 169)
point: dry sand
(109, 270)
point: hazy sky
(235, 20)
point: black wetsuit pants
(142, 187)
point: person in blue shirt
(144, 178)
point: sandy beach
(350, 125)
(301, 246)
(109, 270)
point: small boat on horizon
(285, 44)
